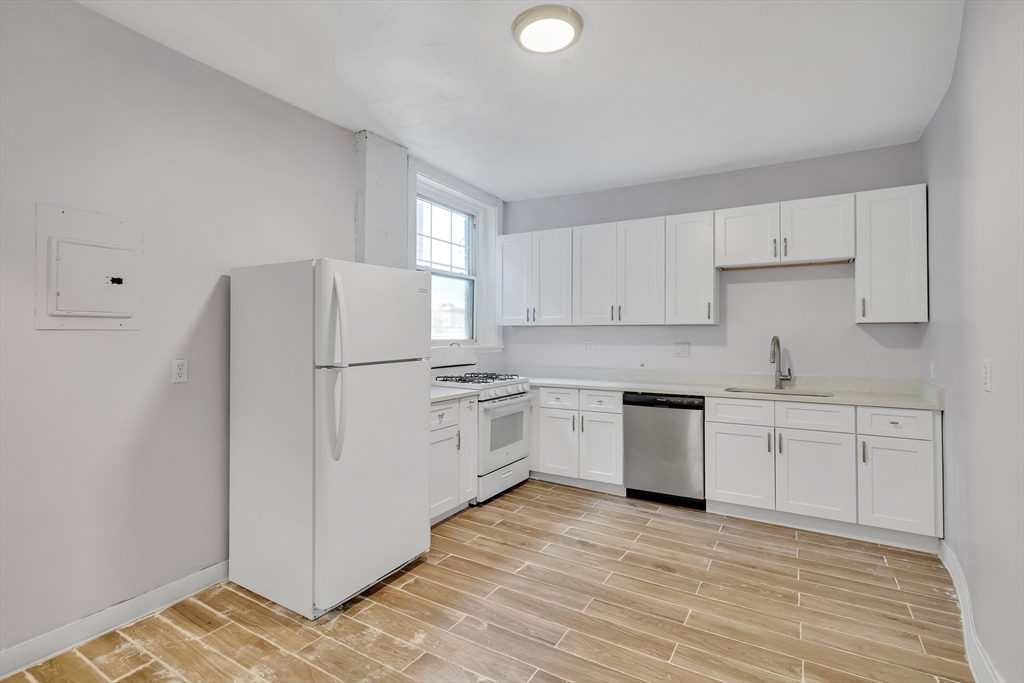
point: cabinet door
(640, 272)
(691, 279)
(558, 442)
(552, 277)
(896, 484)
(593, 275)
(467, 443)
(514, 261)
(817, 230)
(444, 470)
(891, 269)
(747, 236)
(816, 474)
(601, 447)
(739, 464)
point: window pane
(441, 223)
(422, 251)
(459, 262)
(451, 303)
(422, 217)
(460, 229)
(441, 254)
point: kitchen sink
(781, 392)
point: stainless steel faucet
(776, 357)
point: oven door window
(506, 430)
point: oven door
(504, 432)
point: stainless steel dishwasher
(663, 439)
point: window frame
(449, 201)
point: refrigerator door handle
(340, 309)
(342, 416)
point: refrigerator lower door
(372, 510)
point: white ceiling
(652, 90)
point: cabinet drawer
(444, 415)
(819, 416)
(551, 397)
(502, 478)
(740, 411)
(601, 401)
(906, 424)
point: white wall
(810, 308)
(973, 157)
(112, 480)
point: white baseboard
(47, 645)
(899, 539)
(598, 486)
(977, 658)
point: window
(444, 246)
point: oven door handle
(500, 403)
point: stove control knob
(501, 391)
(523, 388)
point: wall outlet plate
(683, 350)
(986, 375)
(588, 347)
(179, 371)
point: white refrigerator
(329, 407)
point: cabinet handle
(893, 422)
(863, 307)
(709, 310)
(583, 424)
(785, 246)
(458, 440)
(613, 311)
(769, 442)
(864, 451)
(534, 315)
(527, 314)
(620, 313)
(780, 444)
(775, 247)
(574, 423)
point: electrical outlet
(588, 347)
(986, 375)
(683, 350)
(179, 371)
(933, 369)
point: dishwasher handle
(631, 398)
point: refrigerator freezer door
(370, 314)
(372, 476)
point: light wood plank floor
(549, 583)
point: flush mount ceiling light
(547, 28)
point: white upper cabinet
(535, 278)
(552, 277)
(817, 230)
(593, 274)
(691, 279)
(891, 270)
(514, 260)
(618, 272)
(640, 271)
(747, 236)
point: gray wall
(113, 481)
(972, 155)
(810, 308)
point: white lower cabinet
(558, 442)
(600, 450)
(896, 480)
(739, 464)
(468, 446)
(816, 474)
(444, 470)
(579, 444)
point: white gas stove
(492, 385)
(504, 418)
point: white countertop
(852, 398)
(438, 394)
